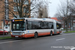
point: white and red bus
(34, 27)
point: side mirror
(26, 21)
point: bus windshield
(18, 26)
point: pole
(6, 14)
(6, 10)
(3, 27)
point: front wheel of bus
(35, 35)
(51, 33)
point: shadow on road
(33, 37)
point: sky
(52, 7)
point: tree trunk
(70, 21)
(66, 26)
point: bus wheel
(58, 33)
(51, 33)
(35, 35)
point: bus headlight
(22, 33)
(11, 33)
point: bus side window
(36, 25)
(44, 25)
(50, 25)
(29, 25)
(41, 24)
(58, 26)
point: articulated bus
(34, 27)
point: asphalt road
(56, 42)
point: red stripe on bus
(17, 35)
(32, 34)
(29, 35)
(58, 32)
(46, 33)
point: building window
(73, 24)
(26, 2)
(16, 16)
(24, 9)
(16, 1)
(28, 11)
(15, 8)
(73, 20)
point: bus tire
(36, 35)
(59, 32)
(51, 33)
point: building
(55, 18)
(25, 8)
(71, 22)
(58, 19)
(12, 10)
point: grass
(64, 29)
(70, 32)
(8, 37)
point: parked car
(5, 32)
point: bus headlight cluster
(11, 33)
(23, 33)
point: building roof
(55, 18)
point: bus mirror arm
(26, 22)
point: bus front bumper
(23, 36)
(17, 36)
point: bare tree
(43, 13)
(22, 8)
(42, 10)
(64, 11)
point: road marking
(60, 39)
(21, 40)
(9, 42)
(73, 48)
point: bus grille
(17, 33)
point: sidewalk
(63, 31)
(5, 35)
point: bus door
(58, 26)
(55, 30)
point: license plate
(16, 36)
